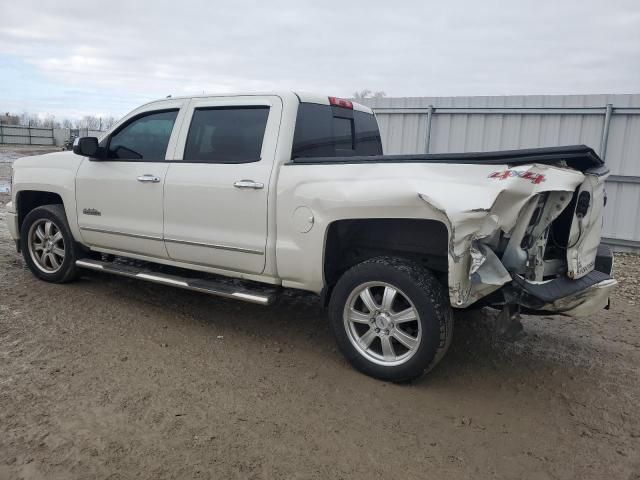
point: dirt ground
(113, 378)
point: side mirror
(86, 146)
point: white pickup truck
(291, 190)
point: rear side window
(226, 135)
(367, 134)
(145, 138)
(330, 131)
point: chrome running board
(220, 288)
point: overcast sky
(72, 58)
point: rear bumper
(576, 298)
(584, 303)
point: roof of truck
(304, 97)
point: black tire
(68, 271)
(429, 299)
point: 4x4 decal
(524, 174)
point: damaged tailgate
(541, 228)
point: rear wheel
(47, 245)
(391, 318)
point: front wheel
(391, 318)
(47, 244)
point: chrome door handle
(248, 184)
(148, 178)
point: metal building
(610, 124)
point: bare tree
(362, 94)
(108, 122)
(27, 118)
(90, 122)
(34, 120)
(9, 119)
(366, 93)
(49, 121)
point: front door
(217, 188)
(119, 196)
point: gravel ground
(112, 378)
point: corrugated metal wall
(610, 124)
(24, 135)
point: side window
(313, 136)
(367, 134)
(329, 131)
(226, 134)
(143, 139)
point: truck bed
(579, 157)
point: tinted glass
(313, 136)
(226, 135)
(145, 138)
(367, 134)
(325, 131)
(343, 133)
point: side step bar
(220, 288)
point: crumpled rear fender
(476, 203)
(500, 204)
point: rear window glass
(329, 131)
(343, 132)
(226, 135)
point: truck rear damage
(534, 244)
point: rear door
(119, 198)
(216, 190)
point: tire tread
(426, 282)
(70, 272)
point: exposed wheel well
(27, 200)
(350, 242)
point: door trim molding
(115, 232)
(215, 245)
(175, 240)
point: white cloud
(155, 48)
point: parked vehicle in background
(244, 195)
(68, 143)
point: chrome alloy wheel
(382, 323)
(46, 245)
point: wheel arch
(28, 200)
(351, 241)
